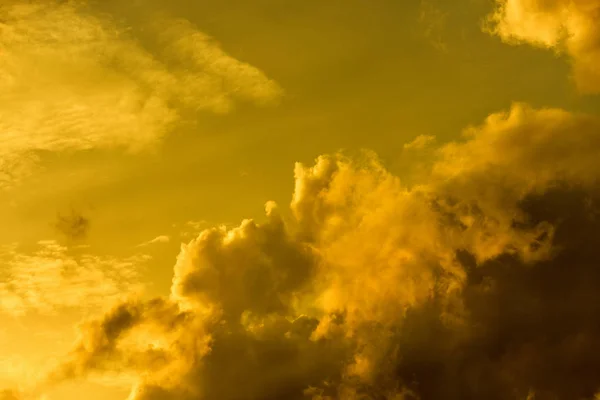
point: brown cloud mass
(480, 283)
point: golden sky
(281, 200)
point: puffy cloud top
(563, 25)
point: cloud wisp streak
(70, 80)
(51, 280)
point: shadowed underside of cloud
(8, 395)
(480, 283)
(70, 80)
(563, 25)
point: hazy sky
(440, 159)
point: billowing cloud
(52, 279)
(70, 80)
(562, 25)
(479, 283)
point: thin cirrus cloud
(457, 288)
(73, 81)
(50, 279)
(420, 142)
(156, 240)
(569, 26)
(434, 21)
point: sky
(324, 200)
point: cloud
(192, 228)
(562, 25)
(51, 279)
(481, 282)
(433, 21)
(70, 80)
(420, 142)
(8, 395)
(74, 225)
(158, 239)
(16, 368)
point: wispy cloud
(158, 239)
(420, 142)
(433, 21)
(71, 81)
(192, 228)
(50, 279)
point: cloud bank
(71, 80)
(480, 283)
(569, 26)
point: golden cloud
(479, 283)
(51, 279)
(70, 80)
(561, 25)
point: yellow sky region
(434, 172)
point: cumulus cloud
(52, 279)
(70, 80)
(562, 25)
(479, 283)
